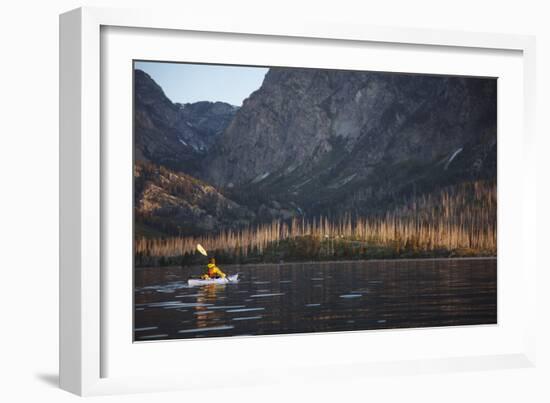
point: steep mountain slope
(168, 202)
(207, 121)
(172, 134)
(319, 141)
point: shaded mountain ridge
(173, 134)
(313, 143)
(325, 141)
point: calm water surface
(315, 297)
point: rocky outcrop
(175, 203)
(203, 122)
(171, 134)
(322, 140)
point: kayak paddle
(201, 250)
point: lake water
(315, 297)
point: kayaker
(213, 271)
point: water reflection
(291, 298)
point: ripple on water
(226, 307)
(207, 329)
(364, 291)
(179, 305)
(350, 296)
(161, 304)
(176, 304)
(245, 310)
(143, 329)
(312, 305)
(153, 336)
(248, 318)
(275, 294)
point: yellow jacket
(214, 272)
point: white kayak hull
(198, 282)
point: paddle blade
(201, 250)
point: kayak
(194, 282)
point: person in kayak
(213, 271)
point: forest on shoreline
(457, 221)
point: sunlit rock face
(174, 203)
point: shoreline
(320, 262)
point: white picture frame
(85, 310)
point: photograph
(271, 200)
(241, 202)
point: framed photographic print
(274, 192)
(277, 200)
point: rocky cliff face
(172, 134)
(207, 121)
(308, 143)
(319, 140)
(175, 203)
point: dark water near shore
(315, 297)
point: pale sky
(183, 82)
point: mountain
(171, 134)
(308, 143)
(169, 202)
(322, 142)
(207, 120)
